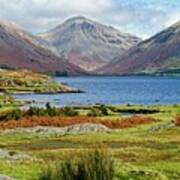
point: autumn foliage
(62, 121)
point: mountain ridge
(88, 43)
(159, 53)
(20, 49)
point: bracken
(61, 121)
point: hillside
(19, 49)
(24, 81)
(87, 43)
(159, 54)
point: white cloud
(39, 14)
(172, 19)
(143, 18)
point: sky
(143, 18)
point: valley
(83, 100)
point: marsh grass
(93, 165)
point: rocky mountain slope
(87, 43)
(161, 54)
(19, 49)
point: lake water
(114, 90)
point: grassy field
(24, 81)
(149, 151)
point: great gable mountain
(20, 49)
(88, 44)
(159, 54)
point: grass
(138, 152)
(24, 81)
(62, 121)
(95, 165)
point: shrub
(36, 111)
(95, 112)
(68, 111)
(51, 111)
(96, 165)
(177, 122)
(14, 114)
(48, 111)
(104, 110)
(101, 110)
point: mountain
(19, 49)
(87, 43)
(159, 54)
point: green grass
(138, 152)
(24, 81)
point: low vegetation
(101, 110)
(142, 145)
(95, 165)
(25, 81)
(14, 114)
(177, 122)
(62, 121)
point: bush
(51, 111)
(14, 114)
(96, 165)
(36, 111)
(101, 110)
(177, 122)
(104, 110)
(68, 111)
(95, 112)
(48, 111)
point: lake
(114, 90)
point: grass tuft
(95, 165)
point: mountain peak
(87, 43)
(159, 53)
(77, 18)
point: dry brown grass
(60, 121)
(27, 74)
(177, 122)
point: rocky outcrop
(2, 177)
(55, 131)
(161, 127)
(13, 155)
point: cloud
(41, 13)
(141, 17)
(172, 19)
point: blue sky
(143, 18)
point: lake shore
(27, 82)
(37, 136)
